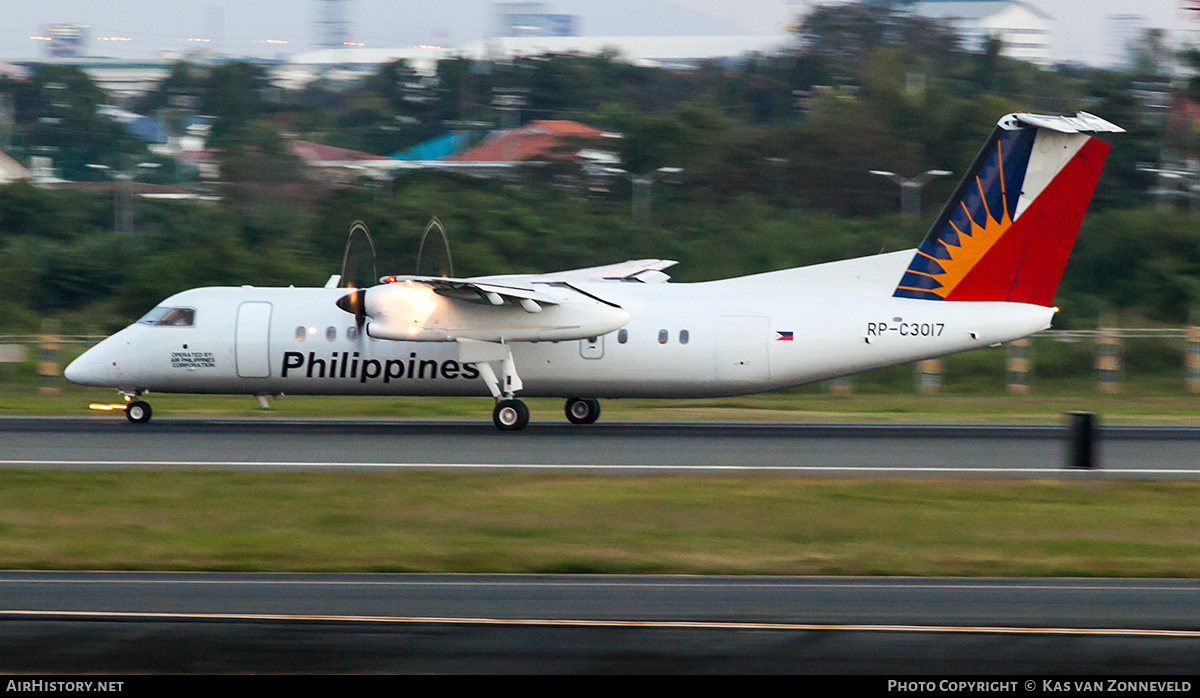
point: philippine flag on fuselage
(783, 336)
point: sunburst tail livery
(1006, 233)
(986, 273)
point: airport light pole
(910, 189)
(640, 199)
(1180, 181)
(123, 192)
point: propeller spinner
(355, 303)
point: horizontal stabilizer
(1082, 122)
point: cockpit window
(163, 316)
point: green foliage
(55, 116)
(844, 36)
(182, 87)
(58, 252)
(775, 151)
(236, 94)
(1140, 262)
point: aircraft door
(252, 345)
(742, 348)
(592, 347)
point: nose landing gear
(138, 412)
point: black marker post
(1081, 428)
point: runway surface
(564, 623)
(1028, 450)
(131, 622)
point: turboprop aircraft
(986, 273)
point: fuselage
(735, 336)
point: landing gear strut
(582, 411)
(510, 415)
(492, 358)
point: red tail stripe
(1026, 264)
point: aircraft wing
(535, 287)
(478, 291)
(647, 271)
(499, 309)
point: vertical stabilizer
(1006, 233)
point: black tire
(510, 415)
(582, 411)
(138, 412)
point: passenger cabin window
(331, 333)
(352, 333)
(683, 336)
(622, 336)
(300, 332)
(163, 316)
(662, 336)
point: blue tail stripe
(1016, 147)
(919, 295)
(912, 280)
(925, 265)
(935, 249)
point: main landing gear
(582, 411)
(495, 364)
(510, 415)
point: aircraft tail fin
(1007, 231)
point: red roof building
(318, 154)
(537, 140)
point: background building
(65, 40)
(1023, 29)
(531, 19)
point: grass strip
(544, 522)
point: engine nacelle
(414, 312)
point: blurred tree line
(775, 151)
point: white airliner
(986, 273)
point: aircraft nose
(88, 369)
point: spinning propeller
(355, 302)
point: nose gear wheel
(138, 412)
